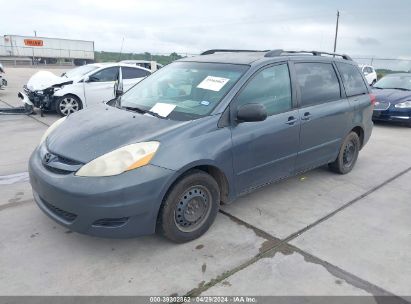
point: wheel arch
(73, 95)
(360, 132)
(213, 170)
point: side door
(265, 151)
(100, 85)
(324, 113)
(132, 75)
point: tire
(68, 104)
(348, 155)
(189, 208)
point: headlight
(123, 159)
(51, 129)
(404, 105)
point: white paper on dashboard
(213, 83)
(163, 109)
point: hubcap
(193, 208)
(68, 105)
(349, 154)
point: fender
(75, 89)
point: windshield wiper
(402, 89)
(142, 111)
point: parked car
(151, 65)
(199, 132)
(393, 98)
(79, 88)
(369, 73)
(3, 81)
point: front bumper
(42, 101)
(119, 206)
(392, 114)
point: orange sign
(33, 42)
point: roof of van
(248, 57)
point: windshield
(80, 71)
(394, 82)
(189, 90)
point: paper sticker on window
(163, 109)
(213, 83)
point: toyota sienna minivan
(197, 133)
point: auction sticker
(163, 109)
(213, 83)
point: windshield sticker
(205, 103)
(213, 83)
(163, 109)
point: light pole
(336, 31)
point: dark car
(393, 98)
(199, 132)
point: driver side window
(105, 75)
(270, 87)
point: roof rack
(276, 53)
(279, 52)
(209, 52)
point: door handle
(306, 116)
(291, 120)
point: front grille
(111, 222)
(56, 170)
(67, 216)
(58, 164)
(381, 105)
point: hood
(43, 80)
(393, 96)
(92, 132)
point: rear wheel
(190, 207)
(347, 157)
(68, 104)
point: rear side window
(318, 83)
(352, 79)
(131, 73)
(270, 87)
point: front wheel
(68, 104)
(190, 207)
(347, 157)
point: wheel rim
(349, 154)
(193, 208)
(69, 105)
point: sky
(367, 28)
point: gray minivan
(199, 132)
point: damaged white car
(80, 87)
(3, 81)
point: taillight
(372, 99)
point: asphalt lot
(315, 234)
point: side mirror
(86, 79)
(251, 112)
(118, 93)
(118, 89)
